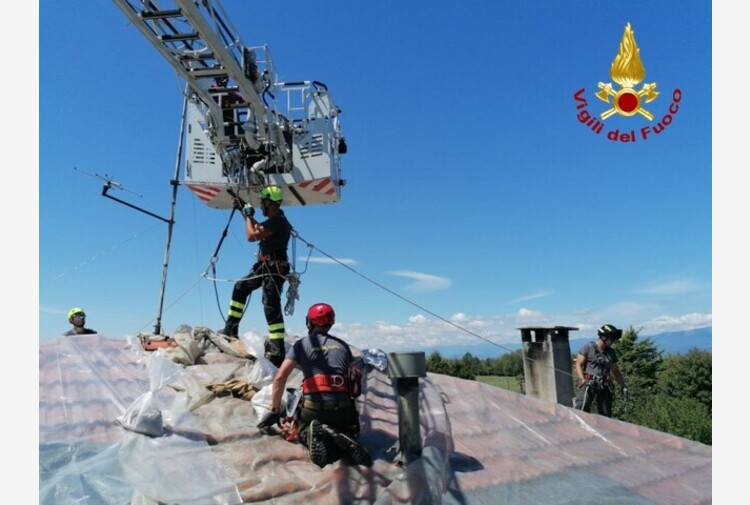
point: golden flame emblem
(627, 70)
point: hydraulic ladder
(199, 41)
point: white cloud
(676, 287)
(663, 324)
(528, 314)
(332, 261)
(533, 296)
(421, 331)
(423, 283)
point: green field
(509, 383)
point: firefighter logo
(625, 99)
(627, 70)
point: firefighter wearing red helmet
(320, 314)
(596, 364)
(327, 417)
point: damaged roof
(480, 444)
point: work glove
(625, 394)
(248, 210)
(269, 420)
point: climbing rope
(294, 280)
(420, 307)
(292, 292)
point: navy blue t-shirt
(281, 231)
(319, 353)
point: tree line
(668, 392)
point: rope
(420, 307)
(100, 254)
(292, 294)
(293, 278)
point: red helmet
(320, 314)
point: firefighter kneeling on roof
(326, 418)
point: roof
(480, 444)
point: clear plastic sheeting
(480, 444)
(375, 358)
(95, 448)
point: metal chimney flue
(406, 368)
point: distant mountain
(680, 342)
(675, 342)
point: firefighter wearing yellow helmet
(269, 271)
(77, 317)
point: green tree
(436, 364)
(638, 361)
(683, 417)
(687, 376)
(471, 365)
(671, 394)
(511, 364)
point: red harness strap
(325, 383)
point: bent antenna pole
(170, 223)
(110, 184)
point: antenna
(108, 181)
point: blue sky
(475, 203)
(466, 168)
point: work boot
(275, 351)
(352, 450)
(315, 444)
(231, 329)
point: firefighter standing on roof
(269, 271)
(596, 363)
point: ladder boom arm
(202, 46)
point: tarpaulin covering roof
(480, 444)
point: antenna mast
(170, 224)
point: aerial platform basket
(244, 129)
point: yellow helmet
(272, 192)
(74, 312)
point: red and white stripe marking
(324, 186)
(205, 193)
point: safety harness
(325, 383)
(598, 378)
(335, 383)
